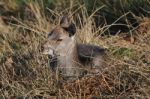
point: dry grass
(24, 71)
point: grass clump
(122, 52)
(24, 71)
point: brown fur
(73, 59)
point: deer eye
(58, 40)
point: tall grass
(24, 71)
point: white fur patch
(73, 37)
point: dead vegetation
(24, 71)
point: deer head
(60, 38)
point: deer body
(73, 59)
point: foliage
(24, 71)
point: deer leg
(98, 65)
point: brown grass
(24, 71)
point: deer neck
(69, 56)
(68, 59)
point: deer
(68, 57)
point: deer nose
(47, 50)
(42, 48)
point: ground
(24, 71)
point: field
(122, 27)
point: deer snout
(47, 50)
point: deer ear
(67, 25)
(64, 22)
